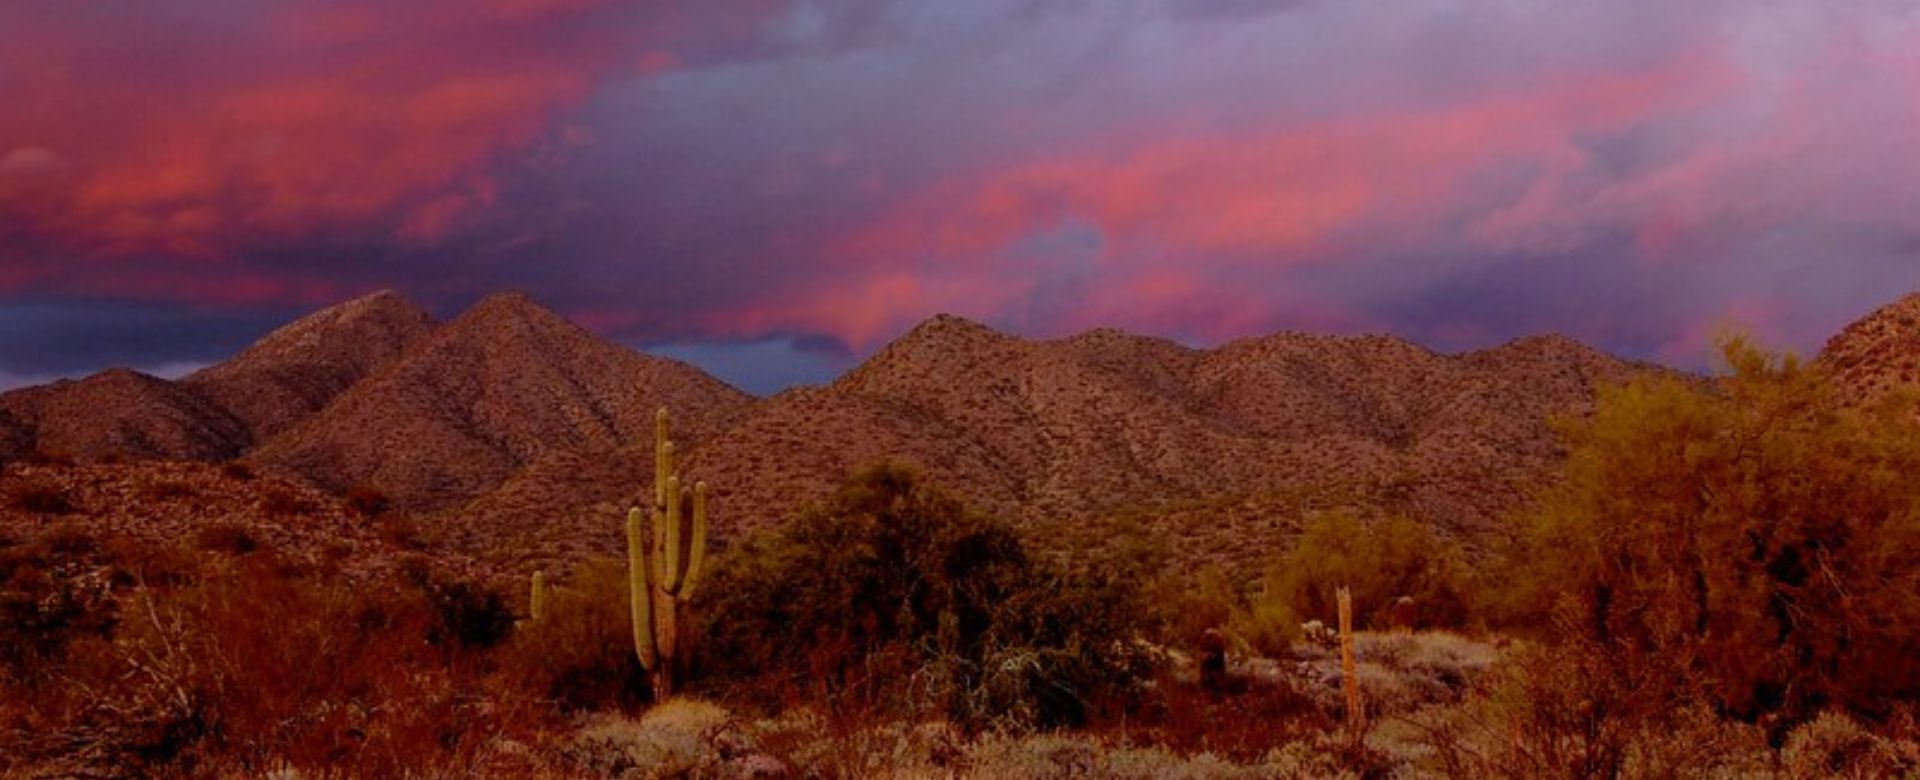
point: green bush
(1760, 536)
(1381, 562)
(579, 655)
(893, 594)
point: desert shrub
(579, 656)
(251, 668)
(1255, 716)
(42, 613)
(368, 501)
(469, 614)
(678, 738)
(70, 540)
(1560, 712)
(892, 594)
(167, 490)
(1268, 627)
(41, 499)
(1194, 611)
(227, 537)
(284, 501)
(1833, 745)
(1381, 562)
(137, 563)
(1758, 536)
(400, 530)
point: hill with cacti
(1219, 450)
(520, 438)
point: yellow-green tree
(1756, 536)
(1381, 562)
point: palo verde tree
(1757, 535)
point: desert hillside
(298, 369)
(1217, 453)
(517, 437)
(1877, 353)
(488, 394)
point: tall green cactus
(659, 577)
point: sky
(773, 189)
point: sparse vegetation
(227, 537)
(368, 500)
(1720, 584)
(894, 596)
(41, 499)
(284, 501)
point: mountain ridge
(514, 435)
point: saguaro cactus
(663, 567)
(1349, 672)
(537, 600)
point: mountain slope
(486, 395)
(298, 369)
(1222, 450)
(118, 414)
(1878, 353)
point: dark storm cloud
(52, 338)
(747, 179)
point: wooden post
(1349, 673)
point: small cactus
(663, 567)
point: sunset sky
(775, 189)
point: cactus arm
(697, 552)
(670, 554)
(639, 595)
(662, 458)
(655, 573)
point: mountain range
(515, 437)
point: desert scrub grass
(678, 738)
(1833, 745)
(1553, 712)
(201, 676)
(932, 750)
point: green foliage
(893, 593)
(1759, 537)
(579, 654)
(1382, 562)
